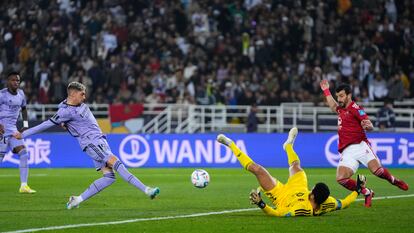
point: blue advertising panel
(201, 150)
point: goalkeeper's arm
(256, 199)
(346, 202)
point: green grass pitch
(228, 190)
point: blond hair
(76, 86)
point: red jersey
(350, 130)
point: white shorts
(355, 154)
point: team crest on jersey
(361, 112)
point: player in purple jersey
(12, 100)
(78, 120)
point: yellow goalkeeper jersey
(292, 199)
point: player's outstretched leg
(288, 146)
(73, 202)
(96, 187)
(293, 132)
(243, 158)
(266, 181)
(24, 172)
(133, 180)
(383, 173)
(293, 158)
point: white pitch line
(165, 218)
(7, 175)
(388, 197)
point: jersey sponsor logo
(361, 112)
(134, 150)
(14, 108)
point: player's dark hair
(345, 87)
(320, 193)
(12, 73)
(76, 86)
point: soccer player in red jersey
(353, 143)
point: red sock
(384, 174)
(348, 183)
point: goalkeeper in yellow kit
(294, 197)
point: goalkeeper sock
(244, 159)
(292, 156)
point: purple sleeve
(37, 129)
(61, 116)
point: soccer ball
(200, 178)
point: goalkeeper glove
(361, 182)
(255, 198)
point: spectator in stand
(377, 88)
(252, 120)
(117, 42)
(386, 117)
(395, 87)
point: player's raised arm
(331, 101)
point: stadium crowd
(261, 52)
